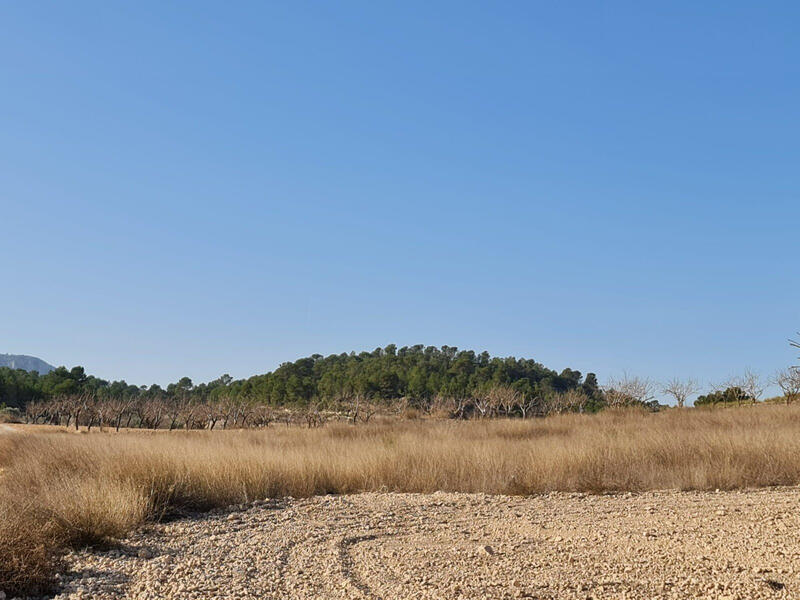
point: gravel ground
(652, 545)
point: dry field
(650, 545)
(62, 490)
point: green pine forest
(385, 374)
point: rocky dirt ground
(652, 545)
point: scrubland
(61, 489)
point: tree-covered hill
(417, 372)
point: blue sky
(193, 189)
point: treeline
(412, 380)
(185, 412)
(386, 374)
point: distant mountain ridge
(26, 363)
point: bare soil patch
(741, 544)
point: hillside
(410, 371)
(26, 363)
(390, 373)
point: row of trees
(427, 380)
(749, 388)
(389, 373)
(185, 411)
(90, 410)
(231, 412)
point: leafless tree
(51, 413)
(92, 410)
(505, 398)
(460, 405)
(239, 409)
(750, 383)
(354, 405)
(551, 404)
(63, 406)
(789, 382)
(189, 413)
(174, 410)
(557, 403)
(152, 412)
(313, 415)
(286, 416)
(628, 391)
(80, 405)
(133, 411)
(681, 389)
(212, 411)
(117, 409)
(262, 415)
(575, 400)
(528, 404)
(369, 410)
(34, 411)
(485, 403)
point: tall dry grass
(65, 489)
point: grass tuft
(65, 490)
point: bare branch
(681, 389)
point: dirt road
(385, 546)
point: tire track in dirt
(348, 565)
(441, 546)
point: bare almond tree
(559, 403)
(353, 406)
(34, 410)
(552, 404)
(789, 382)
(93, 411)
(504, 399)
(241, 411)
(65, 406)
(153, 411)
(118, 409)
(263, 415)
(286, 416)
(368, 410)
(681, 389)
(575, 400)
(441, 406)
(189, 413)
(528, 404)
(750, 384)
(174, 410)
(461, 405)
(313, 415)
(629, 391)
(212, 411)
(485, 403)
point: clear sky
(200, 188)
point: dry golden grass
(64, 489)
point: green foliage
(415, 372)
(732, 395)
(412, 372)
